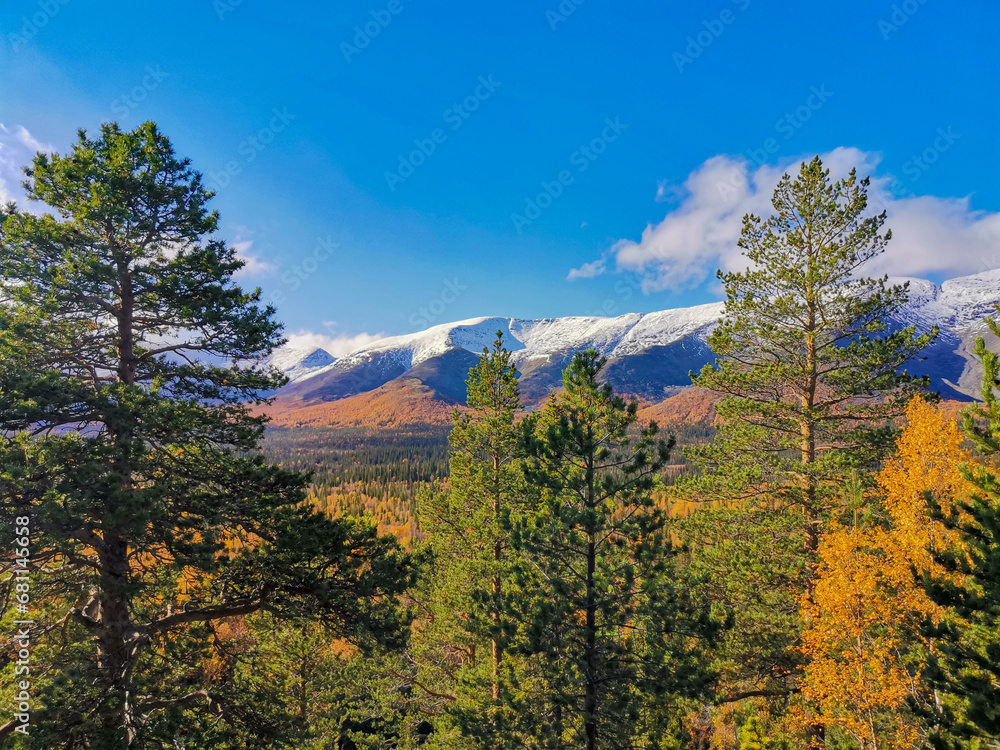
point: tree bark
(816, 733)
(497, 556)
(117, 637)
(590, 655)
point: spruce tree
(965, 667)
(611, 624)
(129, 365)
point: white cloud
(253, 265)
(930, 234)
(666, 192)
(30, 142)
(14, 155)
(588, 270)
(338, 346)
(17, 148)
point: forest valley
(819, 567)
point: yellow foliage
(867, 605)
(392, 515)
(928, 456)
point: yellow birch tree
(862, 637)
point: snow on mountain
(299, 363)
(956, 305)
(668, 326)
(972, 298)
(649, 354)
(442, 355)
(925, 308)
(528, 339)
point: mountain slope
(404, 402)
(300, 362)
(659, 348)
(649, 355)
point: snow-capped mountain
(300, 362)
(649, 355)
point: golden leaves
(863, 620)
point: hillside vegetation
(801, 552)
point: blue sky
(388, 165)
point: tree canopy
(130, 363)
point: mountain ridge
(649, 354)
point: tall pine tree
(610, 622)
(473, 562)
(129, 361)
(811, 370)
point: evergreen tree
(315, 692)
(128, 369)
(609, 622)
(812, 376)
(966, 669)
(809, 367)
(469, 536)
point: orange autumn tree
(862, 634)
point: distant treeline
(380, 472)
(338, 456)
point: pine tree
(812, 376)
(810, 370)
(967, 669)
(315, 692)
(469, 535)
(130, 363)
(610, 623)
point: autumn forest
(816, 565)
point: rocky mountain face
(649, 355)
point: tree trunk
(117, 637)
(816, 733)
(304, 687)
(590, 655)
(497, 556)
